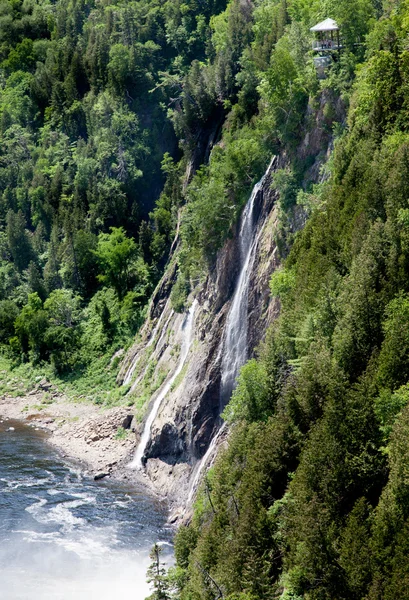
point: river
(64, 536)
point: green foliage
(121, 433)
(388, 407)
(86, 146)
(179, 293)
(94, 101)
(282, 282)
(30, 327)
(310, 498)
(156, 576)
(285, 182)
(216, 196)
(394, 357)
(8, 316)
(114, 253)
(251, 400)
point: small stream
(66, 537)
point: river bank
(102, 439)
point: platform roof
(327, 25)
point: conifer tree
(156, 576)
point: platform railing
(322, 45)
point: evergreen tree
(156, 576)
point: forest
(91, 96)
(310, 497)
(104, 108)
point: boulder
(126, 423)
(100, 475)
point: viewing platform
(326, 36)
(325, 45)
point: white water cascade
(130, 371)
(234, 344)
(235, 338)
(201, 465)
(187, 330)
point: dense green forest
(96, 113)
(103, 108)
(311, 497)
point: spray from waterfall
(187, 330)
(235, 339)
(234, 344)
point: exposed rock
(126, 423)
(101, 475)
(85, 432)
(44, 385)
(189, 415)
(116, 356)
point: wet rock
(174, 518)
(189, 416)
(100, 475)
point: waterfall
(234, 344)
(131, 370)
(235, 338)
(187, 330)
(201, 465)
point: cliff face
(189, 413)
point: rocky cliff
(188, 417)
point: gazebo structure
(325, 43)
(327, 36)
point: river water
(66, 537)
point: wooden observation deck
(326, 42)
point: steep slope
(310, 497)
(234, 310)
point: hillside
(309, 498)
(178, 172)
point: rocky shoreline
(101, 439)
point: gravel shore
(82, 431)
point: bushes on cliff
(310, 498)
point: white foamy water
(64, 536)
(187, 329)
(236, 330)
(233, 349)
(122, 576)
